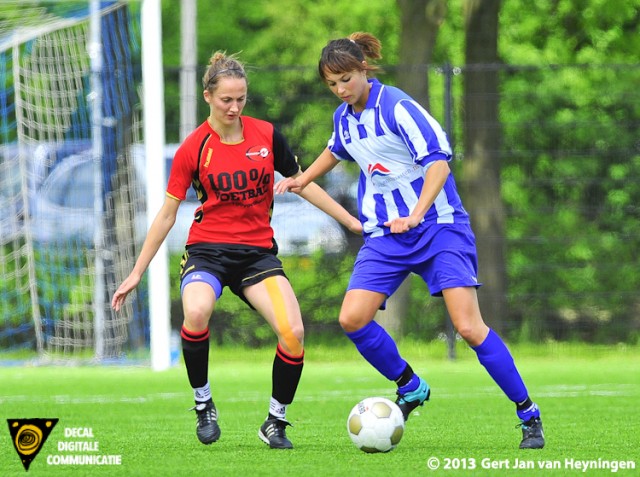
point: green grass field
(589, 399)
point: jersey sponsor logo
(378, 169)
(241, 186)
(258, 153)
(385, 180)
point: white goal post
(152, 75)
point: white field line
(554, 391)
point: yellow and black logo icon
(28, 436)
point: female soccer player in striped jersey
(230, 160)
(413, 221)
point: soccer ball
(375, 424)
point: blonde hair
(222, 65)
(347, 54)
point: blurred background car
(300, 228)
(63, 205)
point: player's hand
(123, 290)
(288, 184)
(402, 224)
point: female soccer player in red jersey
(230, 161)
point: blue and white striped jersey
(394, 141)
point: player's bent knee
(472, 335)
(297, 331)
(293, 338)
(348, 324)
(196, 319)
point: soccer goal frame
(78, 325)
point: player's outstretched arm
(323, 201)
(302, 184)
(323, 164)
(158, 231)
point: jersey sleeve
(421, 133)
(284, 161)
(181, 173)
(335, 144)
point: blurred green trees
(569, 111)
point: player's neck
(361, 104)
(229, 133)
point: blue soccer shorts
(444, 255)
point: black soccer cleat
(532, 434)
(207, 427)
(272, 433)
(411, 400)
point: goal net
(71, 193)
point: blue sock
(496, 358)
(378, 348)
(412, 385)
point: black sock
(527, 403)
(285, 375)
(405, 377)
(195, 350)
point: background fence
(569, 166)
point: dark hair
(222, 65)
(347, 54)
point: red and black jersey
(234, 182)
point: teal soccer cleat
(409, 401)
